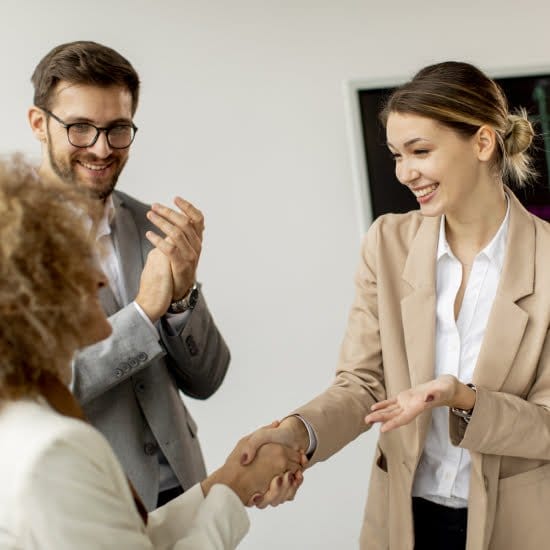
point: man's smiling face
(95, 168)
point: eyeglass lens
(83, 135)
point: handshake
(266, 467)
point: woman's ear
(485, 143)
(38, 122)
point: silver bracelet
(462, 413)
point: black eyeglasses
(84, 134)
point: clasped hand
(273, 467)
(290, 434)
(170, 268)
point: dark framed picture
(379, 192)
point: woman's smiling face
(440, 166)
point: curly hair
(46, 259)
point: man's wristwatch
(187, 302)
(466, 414)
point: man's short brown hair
(83, 62)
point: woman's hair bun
(519, 133)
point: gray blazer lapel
(507, 320)
(127, 241)
(108, 301)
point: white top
(63, 488)
(443, 473)
(109, 261)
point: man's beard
(66, 172)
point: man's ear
(38, 122)
(485, 143)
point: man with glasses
(164, 338)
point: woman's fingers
(383, 415)
(383, 404)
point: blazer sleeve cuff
(219, 517)
(469, 435)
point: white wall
(243, 113)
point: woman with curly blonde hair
(62, 486)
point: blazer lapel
(418, 307)
(507, 321)
(418, 310)
(127, 241)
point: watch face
(187, 302)
(177, 307)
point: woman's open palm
(408, 404)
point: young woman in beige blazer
(62, 488)
(447, 341)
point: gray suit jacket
(129, 384)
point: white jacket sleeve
(77, 496)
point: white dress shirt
(110, 263)
(443, 473)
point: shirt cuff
(176, 321)
(146, 319)
(312, 436)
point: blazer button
(191, 346)
(124, 367)
(118, 373)
(150, 448)
(142, 356)
(133, 362)
(140, 387)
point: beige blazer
(389, 346)
(62, 488)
